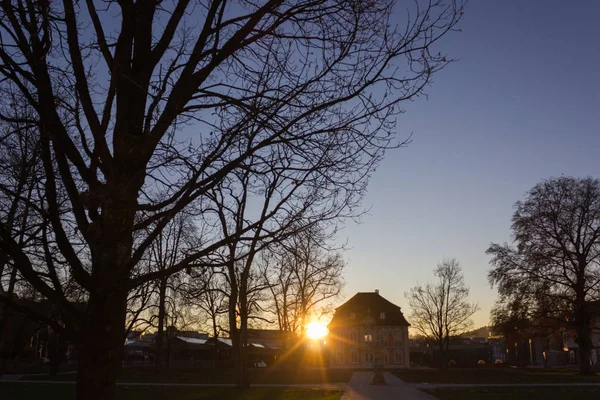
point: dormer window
(382, 315)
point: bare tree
(207, 294)
(232, 207)
(304, 273)
(144, 116)
(441, 310)
(167, 250)
(276, 270)
(19, 171)
(139, 305)
(553, 268)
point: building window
(397, 338)
(383, 337)
(384, 357)
(398, 357)
(368, 358)
(368, 338)
(339, 357)
(354, 357)
(353, 336)
(352, 315)
(382, 315)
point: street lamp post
(530, 354)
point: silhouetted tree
(167, 250)
(207, 294)
(144, 107)
(553, 268)
(303, 272)
(441, 310)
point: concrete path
(468, 385)
(360, 388)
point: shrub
(480, 362)
(452, 363)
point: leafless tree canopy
(304, 273)
(441, 310)
(553, 268)
(144, 108)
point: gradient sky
(520, 105)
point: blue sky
(520, 105)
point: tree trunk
(161, 324)
(216, 337)
(243, 338)
(239, 359)
(443, 360)
(244, 381)
(443, 355)
(583, 330)
(101, 346)
(240, 365)
(240, 370)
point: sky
(521, 105)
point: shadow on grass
(19, 391)
(220, 376)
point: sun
(316, 330)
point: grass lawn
(280, 376)
(517, 393)
(19, 391)
(33, 368)
(492, 375)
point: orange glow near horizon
(316, 330)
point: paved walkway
(360, 388)
(467, 385)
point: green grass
(19, 391)
(280, 376)
(517, 393)
(491, 376)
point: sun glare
(316, 330)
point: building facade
(368, 328)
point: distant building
(465, 355)
(421, 353)
(134, 335)
(482, 336)
(172, 332)
(190, 352)
(272, 338)
(366, 328)
(571, 344)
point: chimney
(377, 291)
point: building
(368, 328)
(571, 344)
(496, 353)
(272, 338)
(190, 352)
